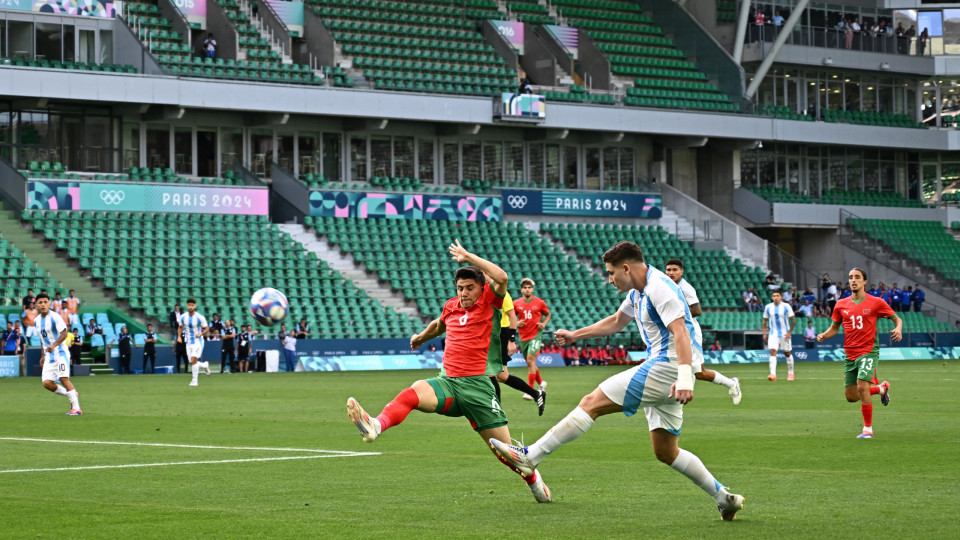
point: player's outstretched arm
(832, 331)
(436, 328)
(897, 333)
(682, 389)
(605, 327)
(497, 275)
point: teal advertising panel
(290, 13)
(582, 203)
(354, 204)
(147, 197)
(9, 366)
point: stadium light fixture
(828, 61)
(885, 66)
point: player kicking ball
(661, 385)
(858, 313)
(471, 321)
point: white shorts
(55, 368)
(779, 343)
(648, 386)
(195, 350)
(30, 331)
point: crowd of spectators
(809, 304)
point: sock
(204, 365)
(496, 386)
(874, 390)
(690, 466)
(195, 369)
(773, 366)
(790, 364)
(867, 410)
(60, 391)
(531, 378)
(517, 384)
(530, 480)
(398, 409)
(74, 401)
(539, 378)
(572, 426)
(719, 378)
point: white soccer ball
(269, 306)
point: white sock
(719, 378)
(572, 426)
(60, 391)
(74, 401)
(790, 364)
(195, 369)
(773, 366)
(204, 365)
(690, 466)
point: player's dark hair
(776, 291)
(675, 262)
(623, 252)
(469, 272)
(525, 281)
(41, 295)
(191, 301)
(862, 272)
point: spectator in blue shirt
(808, 295)
(887, 297)
(917, 297)
(873, 291)
(9, 340)
(906, 296)
(895, 293)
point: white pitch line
(208, 447)
(132, 465)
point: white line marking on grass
(208, 447)
(133, 465)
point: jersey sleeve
(507, 302)
(689, 293)
(490, 296)
(665, 301)
(627, 305)
(202, 321)
(766, 311)
(543, 307)
(180, 320)
(789, 310)
(884, 310)
(838, 318)
(58, 322)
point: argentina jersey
(49, 329)
(660, 303)
(192, 325)
(778, 318)
(690, 296)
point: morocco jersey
(530, 314)
(859, 320)
(469, 333)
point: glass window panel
(183, 150)
(20, 39)
(871, 176)
(451, 163)
(87, 46)
(380, 153)
(493, 162)
(611, 162)
(97, 142)
(592, 168)
(888, 176)
(358, 159)
(929, 182)
(854, 172)
(49, 41)
(626, 167)
(285, 142)
(308, 154)
(206, 156)
(403, 157)
(472, 157)
(332, 165)
(158, 145)
(748, 168)
(69, 45)
(106, 47)
(553, 165)
(766, 167)
(131, 144)
(425, 158)
(514, 157)
(536, 163)
(570, 167)
(231, 146)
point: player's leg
(534, 480)
(732, 383)
(421, 395)
(772, 347)
(667, 449)
(72, 395)
(540, 396)
(607, 398)
(866, 366)
(787, 349)
(194, 369)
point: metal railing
(836, 38)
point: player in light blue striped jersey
(193, 326)
(661, 385)
(778, 324)
(56, 356)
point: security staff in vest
(149, 349)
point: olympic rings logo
(112, 197)
(517, 201)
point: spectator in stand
(76, 347)
(825, 283)
(847, 34)
(9, 340)
(28, 316)
(525, 87)
(150, 349)
(777, 21)
(751, 300)
(57, 303)
(227, 357)
(830, 300)
(73, 306)
(873, 291)
(771, 282)
(844, 290)
(922, 42)
(918, 297)
(210, 46)
(605, 355)
(908, 37)
(217, 323)
(174, 319)
(810, 335)
(620, 355)
(571, 356)
(64, 312)
(303, 328)
(93, 327)
(894, 299)
(124, 342)
(758, 21)
(806, 310)
(29, 299)
(906, 297)
(290, 351)
(808, 295)
(788, 296)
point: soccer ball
(269, 306)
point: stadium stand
(732, 320)
(419, 46)
(926, 242)
(718, 278)
(99, 242)
(836, 196)
(872, 118)
(55, 171)
(18, 273)
(58, 64)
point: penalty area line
(207, 447)
(136, 465)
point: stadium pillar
(781, 39)
(742, 22)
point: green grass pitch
(789, 448)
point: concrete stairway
(350, 269)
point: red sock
(867, 410)
(874, 390)
(532, 378)
(398, 409)
(539, 378)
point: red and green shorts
(863, 368)
(472, 397)
(531, 346)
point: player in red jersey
(471, 321)
(530, 310)
(858, 314)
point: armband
(684, 377)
